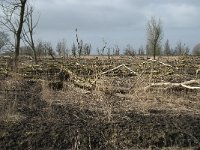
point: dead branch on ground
(122, 65)
(183, 84)
(160, 62)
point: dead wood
(197, 72)
(160, 62)
(185, 84)
(122, 65)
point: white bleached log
(122, 65)
(183, 84)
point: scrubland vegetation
(67, 99)
(100, 103)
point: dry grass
(115, 113)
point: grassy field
(100, 103)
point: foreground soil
(48, 110)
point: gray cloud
(118, 21)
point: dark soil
(69, 126)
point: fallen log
(160, 62)
(197, 72)
(183, 84)
(122, 65)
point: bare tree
(79, 43)
(13, 16)
(80, 48)
(87, 49)
(40, 48)
(74, 49)
(104, 47)
(45, 49)
(147, 50)
(28, 30)
(98, 51)
(181, 49)
(116, 50)
(48, 48)
(167, 49)
(65, 51)
(196, 50)
(129, 51)
(61, 48)
(4, 40)
(25, 50)
(154, 35)
(141, 50)
(108, 52)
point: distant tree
(196, 50)
(104, 47)
(108, 52)
(187, 51)
(48, 48)
(141, 50)
(25, 50)
(61, 48)
(4, 40)
(148, 52)
(87, 49)
(40, 48)
(116, 51)
(44, 49)
(13, 16)
(74, 50)
(167, 49)
(154, 36)
(98, 51)
(181, 49)
(129, 51)
(79, 44)
(80, 48)
(160, 50)
(172, 51)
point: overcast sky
(118, 22)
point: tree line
(17, 20)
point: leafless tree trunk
(28, 35)
(19, 30)
(13, 19)
(80, 44)
(64, 49)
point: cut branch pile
(160, 62)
